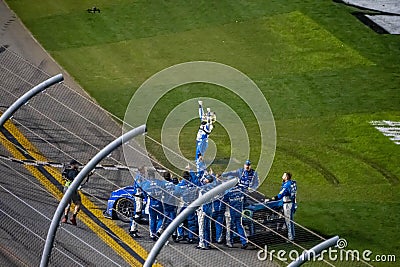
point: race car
(261, 217)
(263, 220)
(120, 205)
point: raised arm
(201, 111)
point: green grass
(324, 74)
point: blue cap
(248, 162)
(208, 177)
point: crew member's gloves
(200, 102)
(273, 198)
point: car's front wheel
(124, 209)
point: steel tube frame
(28, 95)
(182, 216)
(76, 183)
(314, 251)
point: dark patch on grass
(390, 177)
(329, 176)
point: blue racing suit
(154, 192)
(204, 131)
(248, 179)
(204, 214)
(171, 201)
(188, 192)
(288, 195)
(235, 198)
(200, 165)
(218, 210)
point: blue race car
(263, 217)
(121, 205)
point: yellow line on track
(99, 231)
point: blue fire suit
(235, 198)
(248, 179)
(153, 192)
(288, 195)
(171, 201)
(200, 165)
(204, 214)
(204, 131)
(188, 192)
(218, 216)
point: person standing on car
(69, 174)
(247, 175)
(206, 126)
(288, 195)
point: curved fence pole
(182, 216)
(314, 251)
(28, 95)
(75, 184)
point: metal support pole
(314, 251)
(76, 183)
(28, 95)
(182, 216)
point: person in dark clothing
(69, 174)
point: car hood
(261, 206)
(125, 191)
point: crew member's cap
(73, 162)
(248, 162)
(186, 175)
(208, 177)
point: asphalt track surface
(57, 125)
(381, 15)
